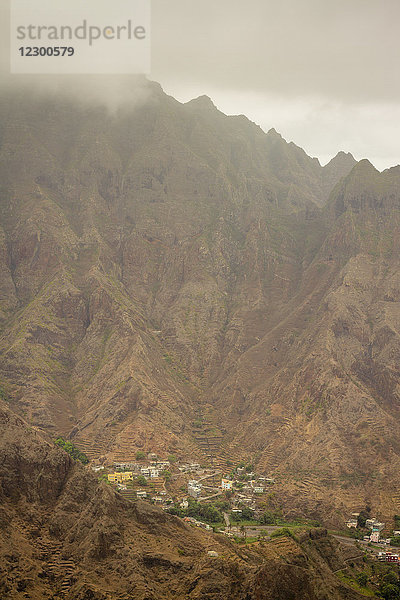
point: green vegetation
(283, 532)
(362, 517)
(142, 480)
(140, 455)
(247, 514)
(395, 541)
(352, 580)
(167, 475)
(172, 458)
(209, 513)
(389, 587)
(267, 518)
(72, 450)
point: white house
(226, 484)
(374, 537)
(374, 524)
(141, 494)
(351, 523)
(194, 488)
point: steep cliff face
(167, 263)
(64, 534)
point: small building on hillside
(120, 477)
(374, 537)
(194, 488)
(258, 489)
(226, 484)
(374, 524)
(124, 465)
(161, 464)
(351, 523)
(141, 494)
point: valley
(174, 280)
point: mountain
(177, 280)
(65, 535)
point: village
(371, 531)
(233, 503)
(204, 496)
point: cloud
(325, 74)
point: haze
(324, 74)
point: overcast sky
(324, 73)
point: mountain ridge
(165, 263)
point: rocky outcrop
(65, 535)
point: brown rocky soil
(165, 263)
(65, 536)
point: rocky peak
(202, 103)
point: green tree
(391, 577)
(167, 475)
(247, 513)
(140, 455)
(172, 458)
(72, 450)
(389, 591)
(142, 480)
(267, 518)
(361, 519)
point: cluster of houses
(127, 471)
(150, 471)
(197, 523)
(373, 525)
(195, 488)
(202, 483)
(189, 468)
(388, 557)
(254, 484)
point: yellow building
(120, 477)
